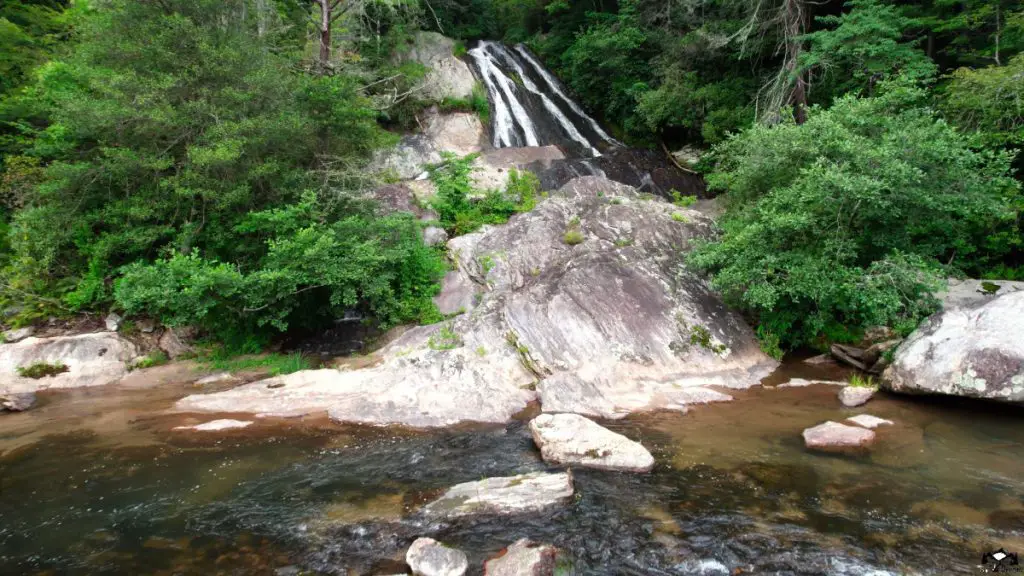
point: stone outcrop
(460, 133)
(428, 557)
(833, 436)
(447, 76)
(613, 325)
(17, 402)
(17, 334)
(92, 360)
(969, 292)
(506, 495)
(853, 396)
(523, 558)
(571, 439)
(975, 351)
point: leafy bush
(573, 237)
(157, 358)
(459, 206)
(444, 339)
(42, 370)
(845, 221)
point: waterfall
(507, 110)
(553, 85)
(528, 106)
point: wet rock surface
(868, 421)
(833, 436)
(217, 425)
(504, 495)
(611, 326)
(17, 402)
(93, 359)
(853, 396)
(428, 557)
(523, 558)
(973, 351)
(575, 440)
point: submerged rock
(832, 436)
(524, 558)
(573, 439)
(428, 557)
(217, 425)
(853, 396)
(604, 328)
(868, 421)
(505, 495)
(17, 402)
(975, 351)
(93, 359)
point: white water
(507, 111)
(550, 106)
(553, 85)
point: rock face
(603, 328)
(852, 396)
(505, 495)
(18, 334)
(92, 360)
(17, 402)
(447, 76)
(833, 436)
(961, 293)
(573, 439)
(460, 133)
(524, 558)
(428, 557)
(975, 351)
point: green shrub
(157, 358)
(848, 221)
(460, 214)
(682, 201)
(860, 381)
(41, 370)
(573, 237)
(444, 339)
(679, 217)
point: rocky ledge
(583, 303)
(93, 359)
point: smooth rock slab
(524, 558)
(93, 359)
(835, 436)
(573, 439)
(215, 425)
(868, 421)
(853, 396)
(503, 495)
(428, 557)
(801, 382)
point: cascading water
(529, 108)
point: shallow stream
(96, 482)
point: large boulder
(447, 76)
(460, 133)
(976, 350)
(966, 292)
(428, 557)
(612, 325)
(573, 439)
(506, 495)
(523, 558)
(91, 359)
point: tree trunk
(325, 33)
(794, 27)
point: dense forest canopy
(201, 161)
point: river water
(96, 482)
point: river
(96, 481)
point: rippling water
(95, 482)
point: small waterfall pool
(96, 482)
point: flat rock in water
(93, 359)
(524, 558)
(868, 421)
(801, 382)
(975, 351)
(573, 439)
(17, 402)
(852, 396)
(836, 436)
(504, 495)
(600, 328)
(216, 378)
(428, 557)
(216, 425)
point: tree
(842, 223)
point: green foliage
(29, 32)
(462, 209)
(444, 339)
(860, 381)
(682, 201)
(157, 358)
(273, 364)
(769, 343)
(573, 237)
(679, 217)
(477, 103)
(843, 222)
(39, 370)
(989, 101)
